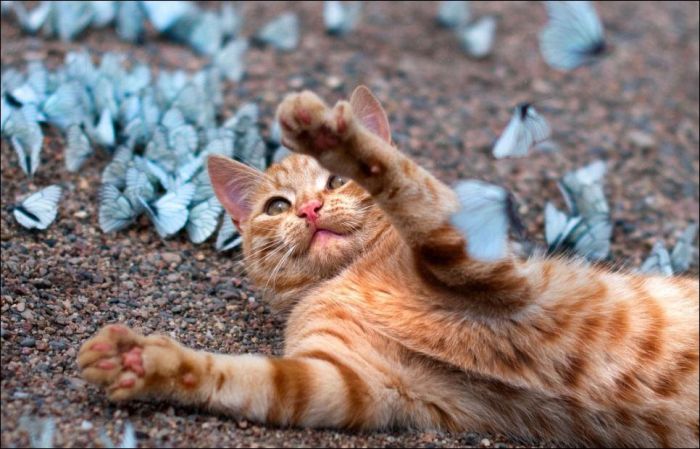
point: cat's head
(300, 223)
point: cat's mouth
(322, 235)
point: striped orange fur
(390, 323)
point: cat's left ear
(367, 108)
(234, 183)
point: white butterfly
(128, 439)
(78, 148)
(659, 261)
(39, 209)
(588, 228)
(138, 186)
(682, 253)
(558, 226)
(203, 219)
(483, 218)
(281, 33)
(573, 36)
(31, 21)
(583, 191)
(206, 35)
(130, 21)
(116, 211)
(169, 213)
(477, 38)
(64, 107)
(525, 129)
(453, 14)
(164, 14)
(27, 140)
(103, 12)
(591, 238)
(228, 237)
(230, 59)
(115, 172)
(340, 18)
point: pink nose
(310, 210)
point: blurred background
(636, 108)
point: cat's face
(304, 220)
(300, 223)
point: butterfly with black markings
(39, 209)
(485, 215)
(525, 129)
(573, 36)
(340, 18)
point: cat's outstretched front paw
(128, 364)
(310, 127)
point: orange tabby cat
(391, 323)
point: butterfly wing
(281, 33)
(230, 59)
(39, 209)
(591, 238)
(658, 261)
(557, 226)
(477, 39)
(537, 126)
(682, 253)
(511, 141)
(228, 237)
(116, 212)
(453, 14)
(203, 219)
(27, 139)
(78, 148)
(483, 219)
(573, 36)
(169, 213)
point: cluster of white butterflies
(487, 212)
(159, 129)
(573, 36)
(205, 31)
(42, 434)
(476, 37)
(677, 261)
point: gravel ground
(638, 109)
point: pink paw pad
(303, 116)
(127, 383)
(106, 364)
(132, 360)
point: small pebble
(486, 442)
(28, 342)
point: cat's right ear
(233, 184)
(367, 108)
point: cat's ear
(233, 184)
(366, 107)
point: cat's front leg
(313, 390)
(353, 140)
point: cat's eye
(336, 181)
(276, 206)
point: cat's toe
(112, 358)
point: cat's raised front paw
(310, 127)
(127, 363)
